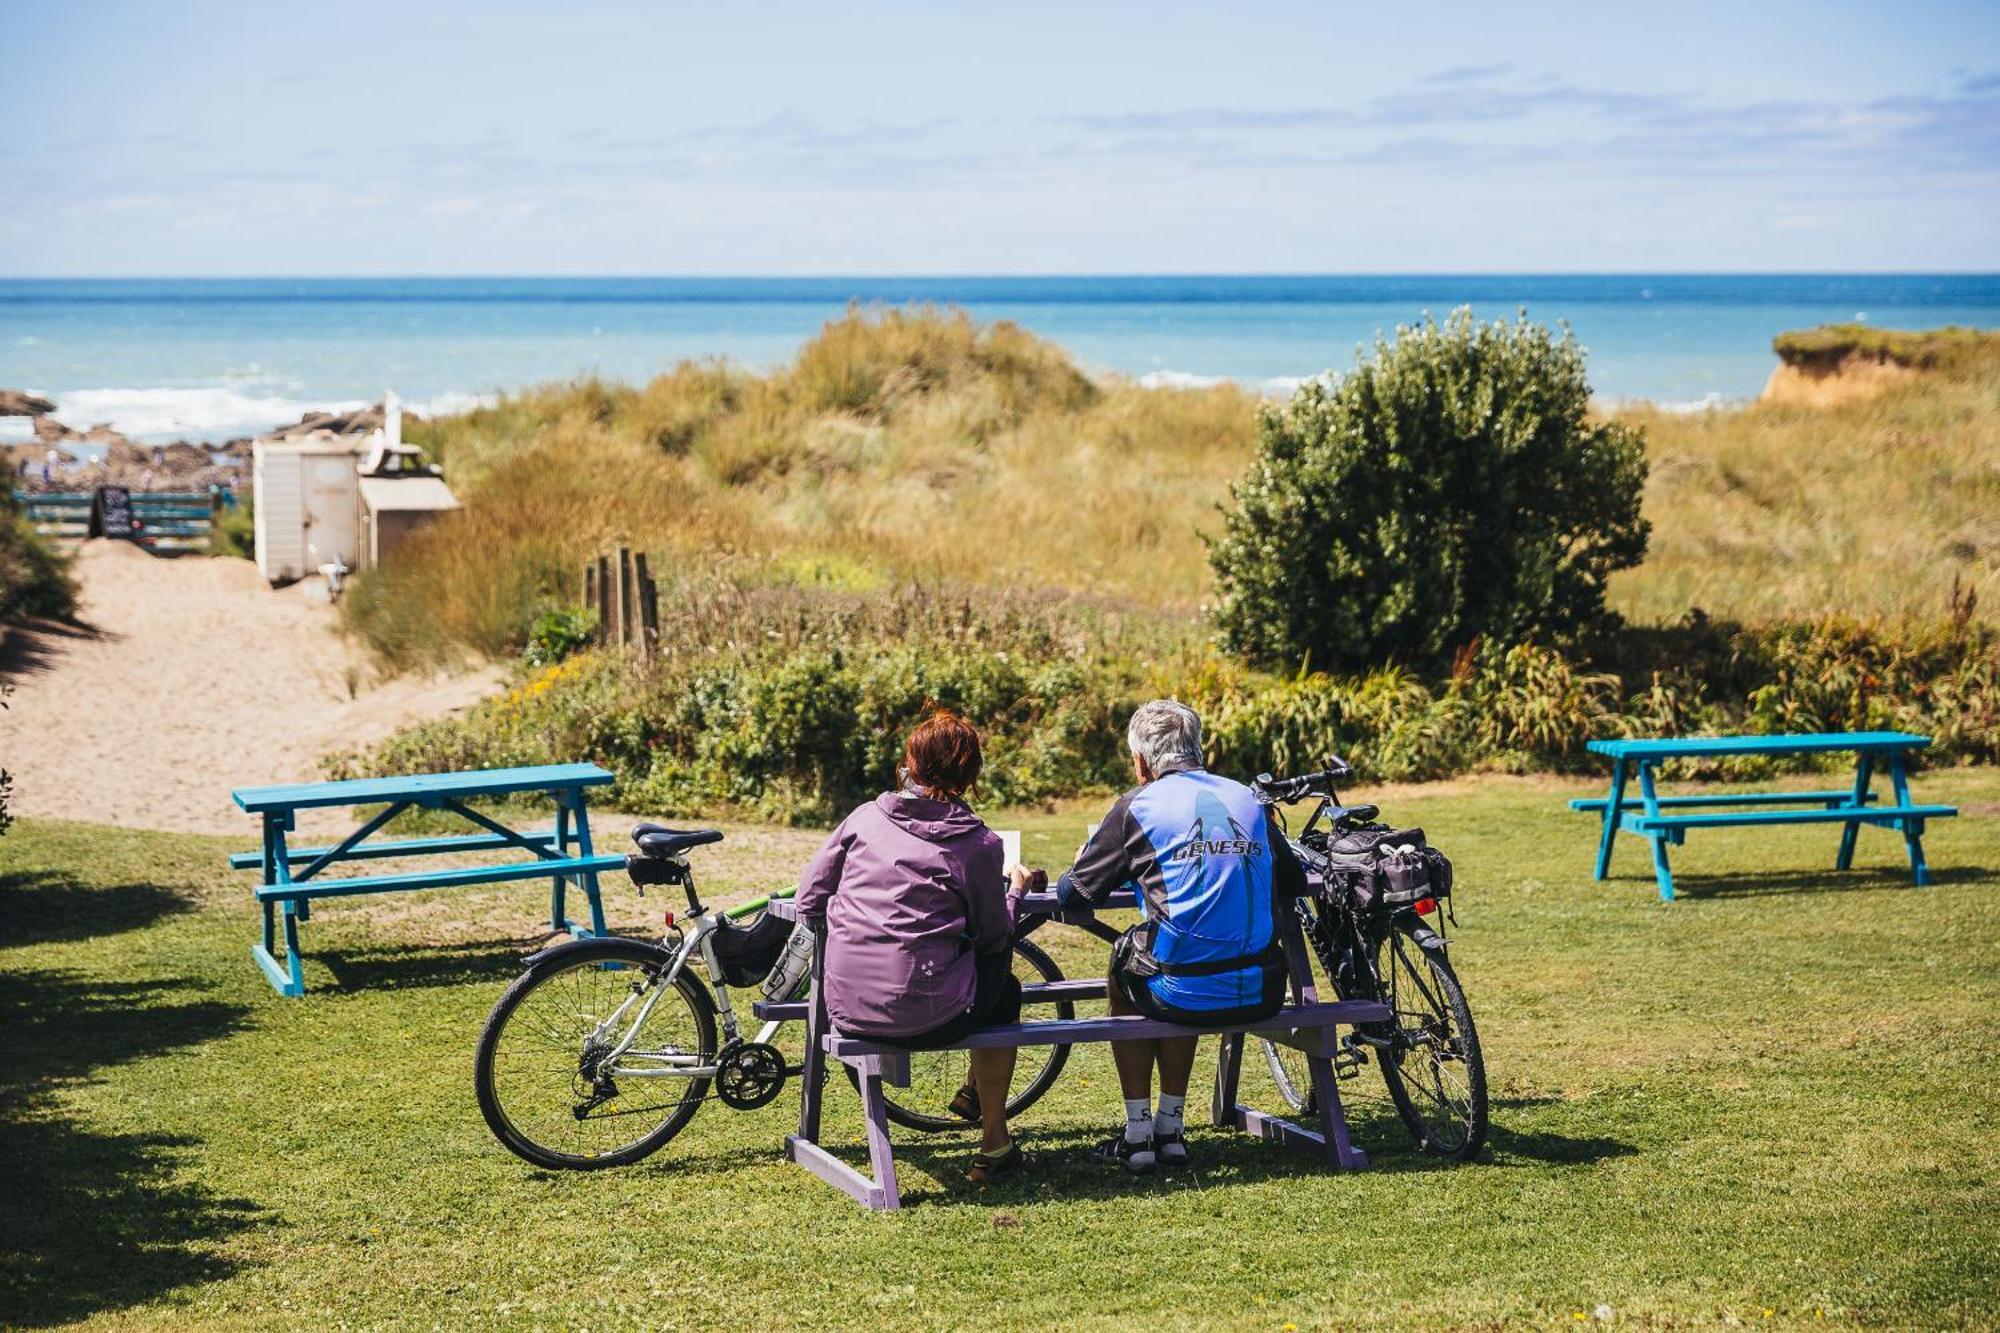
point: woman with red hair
(918, 914)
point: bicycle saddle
(1342, 814)
(659, 840)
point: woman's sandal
(965, 1104)
(991, 1169)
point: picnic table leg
(289, 977)
(1613, 808)
(881, 1153)
(1864, 773)
(589, 877)
(1913, 829)
(1228, 1072)
(558, 910)
(1662, 872)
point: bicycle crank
(749, 1075)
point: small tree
(1449, 488)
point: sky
(361, 139)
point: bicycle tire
(701, 1012)
(947, 1069)
(1460, 1143)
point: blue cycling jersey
(1211, 867)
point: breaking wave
(211, 415)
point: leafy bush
(1451, 488)
(793, 702)
(558, 632)
(235, 532)
(35, 577)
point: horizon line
(1007, 276)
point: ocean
(210, 359)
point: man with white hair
(1212, 870)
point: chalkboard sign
(114, 511)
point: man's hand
(1022, 880)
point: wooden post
(624, 609)
(590, 583)
(603, 600)
(649, 605)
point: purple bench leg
(1331, 1140)
(804, 1147)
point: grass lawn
(1771, 1103)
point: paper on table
(1010, 846)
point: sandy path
(193, 678)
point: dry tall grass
(917, 445)
(1870, 508)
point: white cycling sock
(1168, 1121)
(1138, 1120)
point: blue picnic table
(1659, 820)
(291, 875)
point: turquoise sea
(213, 358)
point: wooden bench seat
(1873, 814)
(307, 890)
(458, 842)
(1843, 797)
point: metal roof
(405, 494)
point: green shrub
(35, 578)
(1448, 489)
(558, 632)
(235, 532)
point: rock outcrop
(21, 403)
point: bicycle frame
(696, 941)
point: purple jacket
(908, 890)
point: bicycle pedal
(1348, 1064)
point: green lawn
(1771, 1102)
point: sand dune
(192, 677)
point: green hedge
(803, 730)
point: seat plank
(421, 787)
(474, 842)
(1124, 1027)
(1874, 814)
(440, 879)
(1597, 803)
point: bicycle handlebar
(1305, 784)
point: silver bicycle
(604, 1049)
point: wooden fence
(620, 587)
(166, 519)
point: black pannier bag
(748, 953)
(1378, 866)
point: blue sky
(361, 138)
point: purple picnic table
(1306, 1024)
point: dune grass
(1766, 1104)
(1876, 507)
(917, 446)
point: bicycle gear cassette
(749, 1075)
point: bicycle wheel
(538, 1075)
(1435, 1073)
(1287, 1064)
(936, 1076)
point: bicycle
(1429, 1052)
(589, 1029)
